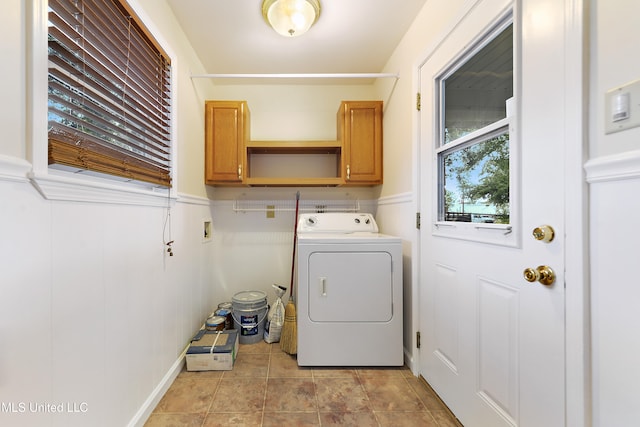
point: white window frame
(498, 234)
(69, 185)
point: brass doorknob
(543, 274)
(544, 233)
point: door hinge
(418, 339)
(418, 220)
(418, 101)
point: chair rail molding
(14, 169)
(615, 167)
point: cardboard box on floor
(212, 351)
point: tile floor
(267, 388)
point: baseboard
(409, 362)
(154, 398)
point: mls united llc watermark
(43, 407)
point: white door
(492, 343)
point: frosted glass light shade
(291, 18)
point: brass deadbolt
(543, 274)
(544, 233)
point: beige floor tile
(188, 395)
(259, 347)
(334, 372)
(201, 375)
(251, 365)
(283, 365)
(276, 349)
(290, 394)
(267, 388)
(239, 395)
(426, 395)
(348, 419)
(244, 419)
(445, 419)
(391, 393)
(341, 395)
(174, 420)
(382, 371)
(406, 419)
(290, 419)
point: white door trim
(577, 302)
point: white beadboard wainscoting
(94, 314)
(396, 215)
(615, 294)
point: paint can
(227, 305)
(215, 323)
(249, 313)
(226, 313)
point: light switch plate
(622, 107)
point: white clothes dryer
(349, 292)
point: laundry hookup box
(212, 350)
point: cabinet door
(361, 134)
(226, 130)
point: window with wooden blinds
(108, 92)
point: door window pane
(474, 95)
(475, 180)
(474, 183)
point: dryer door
(350, 287)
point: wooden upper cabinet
(226, 134)
(360, 130)
(232, 158)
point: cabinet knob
(240, 172)
(348, 172)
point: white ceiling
(351, 36)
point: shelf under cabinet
(293, 182)
(286, 163)
(293, 147)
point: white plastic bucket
(250, 310)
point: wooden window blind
(108, 92)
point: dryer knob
(357, 220)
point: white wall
(613, 172)
(614, 38)
(94, 314)
(278, 111)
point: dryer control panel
(337, 222)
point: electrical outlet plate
(207, 230)
(622, 107)
(271, 211)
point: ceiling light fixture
(291, 18)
